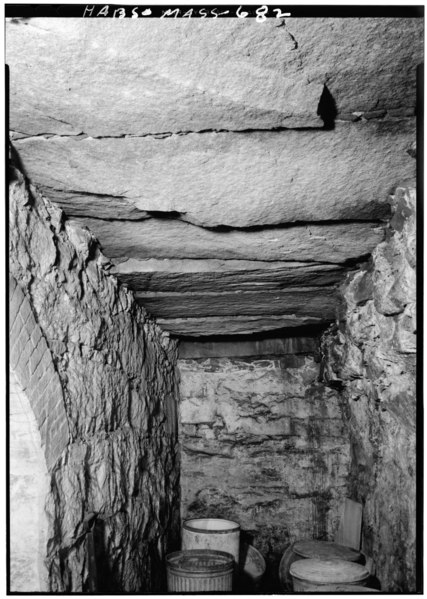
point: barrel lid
(200, 561)
(325, 550)
(211, 525)
(328, 571)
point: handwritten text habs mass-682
(261, 13)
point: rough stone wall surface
(28, 487)
(372, 356)
(119, 471)
(263, 443)
(32, 360)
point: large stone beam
(128, 76)
(232, 179)
(156, 238)
(236, 325)
(318, 302)
(225, 275)
(138, 76)
(270, 346)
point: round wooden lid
(328, 571)
(325, 550)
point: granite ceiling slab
(233, 172)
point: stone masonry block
(38, 400)
(39, 351)
(12, 286)
(45, 379)
(197, 412)
(40, 411)
(36, 335)
(15, 292)
(17, 350)
(23, 364)
(24, 375)
(43, 365)
(56, 396)
(55, 405)
(17, 330)
(15, 302)
(26, 311)
(45, 433)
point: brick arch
(31, 360)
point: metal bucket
(199, 571)
(212, 533)
(313, 575)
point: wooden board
(350, 525)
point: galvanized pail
(199, 571)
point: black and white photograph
(214, 237)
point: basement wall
(263, 442)
(100, 378)
(372, 357)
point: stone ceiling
(233, 171)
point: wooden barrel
(313, 575)
(313, 550)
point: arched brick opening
(31, 360)
(38, 435)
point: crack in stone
(298, 223)
(162, 134)
(58, 120)
(293, 38)
(24, 136)
(47, 189)
(358, 118)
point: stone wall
(372, 356)
(263, 443)
(116, 471)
